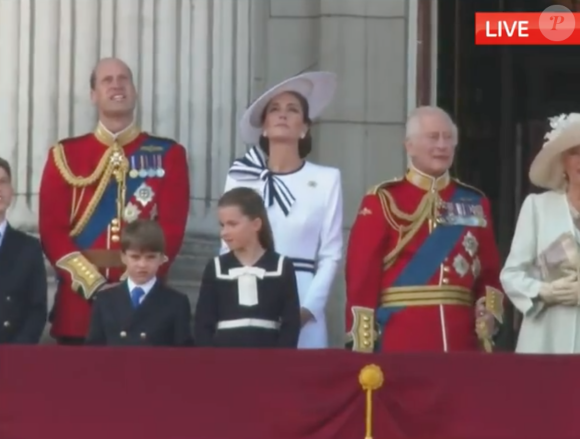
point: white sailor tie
(253, 167)
(247, 284)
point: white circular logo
(557, 23)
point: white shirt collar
(147, 286)
(3, 227)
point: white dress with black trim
(248, 306)
(305, 209)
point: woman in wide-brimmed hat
(540, 275)
(304, 200)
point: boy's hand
(107, 286)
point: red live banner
(514, 28)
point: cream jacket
(545, 329)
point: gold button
(115, 238)
(446, 269)
(366, 335)
(366, 326)
(7, 324)
(123, 334)
(445, 280)
(115, 229)
(143, 335)
(115, 222)
(366, 318)
(367, 343)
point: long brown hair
(251, 205)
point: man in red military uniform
(422, 266)
(93, 185)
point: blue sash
(150, 154)
(429, 257)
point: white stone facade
(197, 64)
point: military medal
(160, 170)
(133, 173)
(144, 194)
(131, 213)
(150, 170)
(142, 170)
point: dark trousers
(70, 341)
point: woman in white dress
(540, 275)
(304, 200)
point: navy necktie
(136, 294)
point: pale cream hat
(316, 87)
(546, 170)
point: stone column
(364, 42)
(190, 59)
(220, 92)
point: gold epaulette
(374, 190)
(468, 186)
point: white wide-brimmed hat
(546, 170)
(316, 87)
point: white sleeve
(230, 184)
(517, 281)
(329, 252)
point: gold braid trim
(86, 279)
(106, 168)
(93, 203)
(61, 164)
(425, 211)
(363, 333)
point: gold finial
(371, 378)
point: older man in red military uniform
(422, 266)
(93, 185)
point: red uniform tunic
(421, 252)
(91, 186)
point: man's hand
(305, 316)
(483, 314)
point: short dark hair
(251, 205)
(6, 166)
(143, 235)
(305, 144)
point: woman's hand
(564, 291)
(305, 316)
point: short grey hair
(413, 126)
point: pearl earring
(303, 135)
(264, 134)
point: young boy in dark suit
(141, 311)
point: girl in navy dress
(248, 296)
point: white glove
(564, 291)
